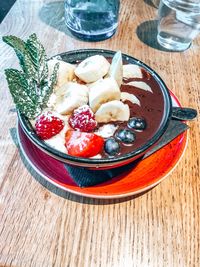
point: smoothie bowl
(104, 109)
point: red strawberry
(82, 144)
(83, 119)
(48, 125)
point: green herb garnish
(31, 87)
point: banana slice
(130, 97)
(92, 69)
(72, 87)
(113, 111)
(65, 72)
(58, 141)
(140, 85)
(132, 71)
(102, 91)
(68, 104)
(116, 68)
(71, 96)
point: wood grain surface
(42, 226)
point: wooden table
(44, 226)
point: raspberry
(48, 125)
(83, 119)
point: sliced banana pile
(97, 83)
(102, 91)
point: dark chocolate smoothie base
(151, 109)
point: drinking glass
(179, 23)
(92, 20)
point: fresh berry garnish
(48, 125)
(111, 147)
(137, 123)
(125, 136)
(83, 119)
(82, 144)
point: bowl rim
(26, 125)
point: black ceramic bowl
(104, 163)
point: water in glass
(179, 23)
(92, 20)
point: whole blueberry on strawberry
(47, 125)
(83, 119)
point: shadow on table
(53, 14)
(147, 33)
(149, 2)
(60, 192)
(5, 7)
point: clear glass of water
(179, 23)
(92, 20)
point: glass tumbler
(92, 20)
(179, 23)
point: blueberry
(111, 146)
(137, 123)
(126, 136)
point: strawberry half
(81, 144)
(47, 125)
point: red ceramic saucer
(142, 177)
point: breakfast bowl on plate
(93, 108)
